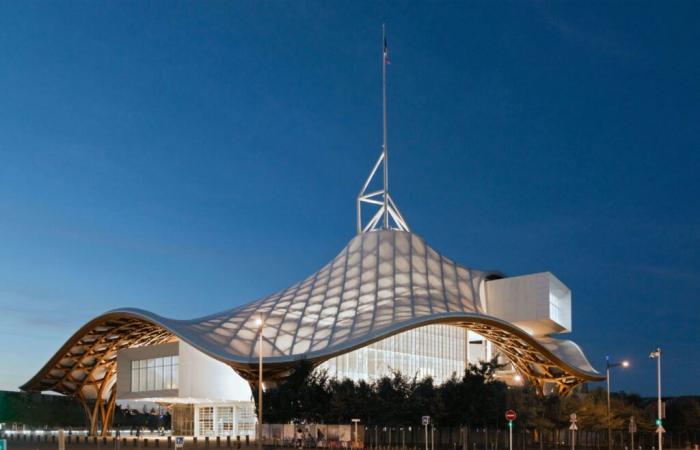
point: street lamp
(608, 367)
(659, 426)
(259, 322)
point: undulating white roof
(383, 282)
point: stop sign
(511, 415)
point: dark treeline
(476, 399)
(39, 411)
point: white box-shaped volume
(177, 373)
(539, 303)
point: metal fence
(395, 438)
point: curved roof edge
(565, 356)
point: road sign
(510, 417)
(573, 427)
(179, 441)
(3, 444)
(632, 426)
(573, 417)
(425, 420)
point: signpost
(61, 440)
(510, 417)
(573, 418)
(425, 420)
(632, 430)
(357, 437)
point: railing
(387, 438)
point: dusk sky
(189, 157)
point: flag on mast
(386, 52)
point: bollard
(206, 442)
(238, 441)
(228, 441)
(145, 442)
(157, 443)
(247, 440)
(194, 441)
(170, 441)
(218, 441)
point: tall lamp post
(659, 425)
(609, 366)
(259, 322)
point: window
(432, 350)
(183, 420)
(206, 421)
(155, 374)
(245, 415)
(225, 420)
(554, 310)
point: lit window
(155, 374)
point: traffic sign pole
(632, 430)
(510, 435)
(426, 422)
(573, 418)
(510, 417)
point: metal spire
(387, 212)
(385, 147)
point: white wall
(208, 380)
(526, 302)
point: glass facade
(433, 350)
(183, 420)
(235, 419)
(555, 309)
(206, 421)
(155, 374)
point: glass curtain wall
(236, 419)
(433, 350)
(154, 374)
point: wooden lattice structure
(86, 366)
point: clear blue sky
(189, 157)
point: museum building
(387, 302)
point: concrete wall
(538, 303)
(207, 379)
